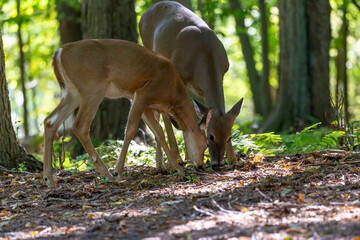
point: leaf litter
(301, 196)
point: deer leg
(187, 157)
(134, 117)
(171, 137)
(81, 129)
(154, 125)
(158, 156)
(66, 106)
(230, 154)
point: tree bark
(266, 103)
(69, 17)
(293, 99)
(110, 19)
(319, 36)
(11, 153)
(22, 68)
(340, 62)
(304, 65)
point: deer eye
(211, 137)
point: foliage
(310, 139)
(109, 151)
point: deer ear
(205, 120)
(200, 109)
(234, 112)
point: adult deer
(90, 70)
(177, 33)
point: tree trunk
(340, 62)
(266, 102)
(22, 68)
(319, 36)
(110, 19)
(69, 17)
(304, 64)
(11, 153)
(248, 53)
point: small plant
(22, 167)
(192, 179)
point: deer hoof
(49, 182)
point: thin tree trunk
(11, 153)
(33, 84)
(345, 33)
(340, 63)
(356, 4)
(22, 68)
(265, 85)
(248, 53)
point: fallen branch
(262, 194)
(4, 170)
(207, 212)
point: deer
(90, 70)
(177, 33)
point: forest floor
(304, 196)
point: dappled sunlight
(270, 197)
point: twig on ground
(262, 194)
(4, 170)
(207, 212)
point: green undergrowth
(312, 138)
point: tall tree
(304, 65)
(259, 85)
(340, 62)
(11, 153)
(110, 19)
(318, 38)
(19, 21)
(69, 16)
(266, 101)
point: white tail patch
(69, 86)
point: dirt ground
(303, 196)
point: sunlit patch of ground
(303, 196)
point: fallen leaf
(30, 225)
(4, 213)
(301, 197)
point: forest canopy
(37, 22)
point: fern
(332, 139)
(267, 139)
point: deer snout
(216, 155)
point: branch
(356, 4)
